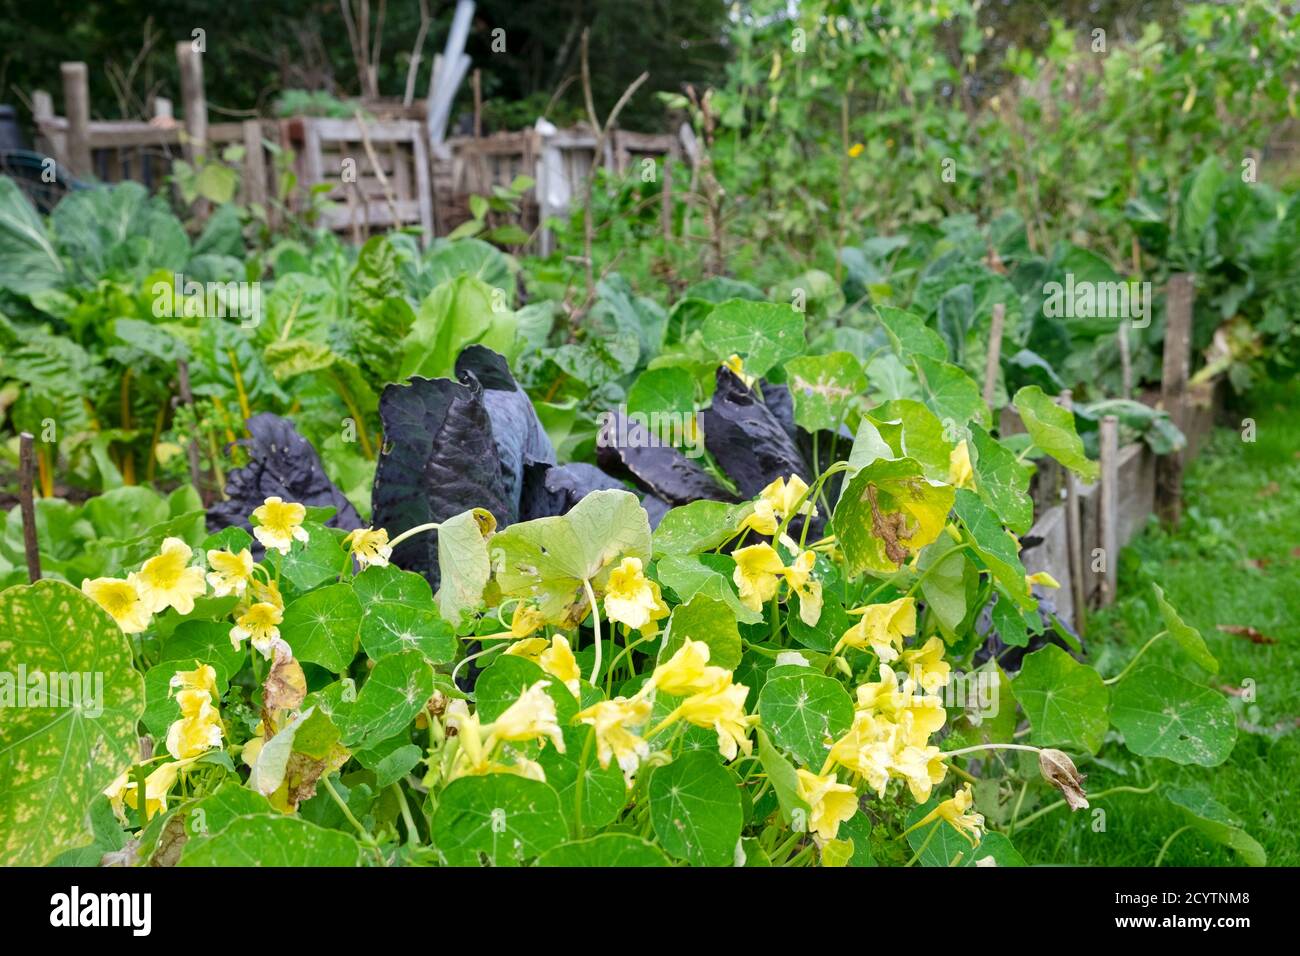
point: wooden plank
(348, 130)
(1109, 429)
(76, 104)
(993, 360)
(1173, 388)
(423, 189)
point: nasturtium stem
(1092, 796)
(347, 812)
(579, 784)
(971, 750)
(412, 835)
(1164, 847)
(1136, 657)
(595, 620)
(412, 532)
(924, 843)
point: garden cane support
(26, 473)
(1173, 390)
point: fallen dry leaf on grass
(1249, 633)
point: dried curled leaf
(286, 685)
(1059, 770)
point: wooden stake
(994, 357)
(76, 106)
(1179, 298)
(1074, 538)
(478, 104)
(1125, 361)
(666, 200)
(1108, 513)
(254, 163)
(194, 101)
(26, 493)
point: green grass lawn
(1235, 560)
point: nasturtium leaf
(392, 584)
(234, 539)
(546, 560)
(507, 677)
(397, 689)
(909, 335)
(950, 393)
(785, 781)
(823, 388)
(943, 585)
(668, 389)
(706, 619)
(500, 819)
(994, 546)
(689, 575)
(764, 334)
(1009, 623)
(390, 761)
(869, 445)
(695, 809)
(605, 850)
(322, 626)
(463, 562)
(273, 840)
(995, 850)
(1162, 714)
(1211, 818)
(989, 712)
(55, 760)
(216, 811)
(390, 627)
(826, 633)
(699, 526)
(604, 793)
(805, 713)
(207, 642)
(887, 512)
(857, 830)
(1001, 481)
(1052, 429)
(1186, 636)
(321, 558)
(1066, 702)
(273, 759)
(922, 435)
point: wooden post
(254, 163)
(993, 359)
(478, 104)
(1173, 390)
(27, 502)
(1108, 513)
(1074, 538)
(187, 396)
(1125, 361)
(76, 106)
(194, 101)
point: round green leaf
(764, 334)
(56, 760)
(499, 819)
(608, 849)
(695, 809)
(273, 840)
(1066, 702)
(322, 625)
(804, 713)
(397, 689)
(1162, 714)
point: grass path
(1235, 560)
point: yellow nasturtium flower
(960, 472)
(369, 546)
(266, 592)
(122, 791)
(279, 524)
(687, 671)
(167, 579)
(612, 721)
(260, 623)
(203, 678)
(882, 628)
(722, 708)
(531, 717)
(757, 574)
(830, 802)
(775, 502)
(799, 576)
(558, 661)
(926, 664)
(530, 648)
(121, 600)
(199, 728)
(525, 620)
(1041, 578)
(633, 599)
(230, 572)
(856, 150)
(953, 812)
